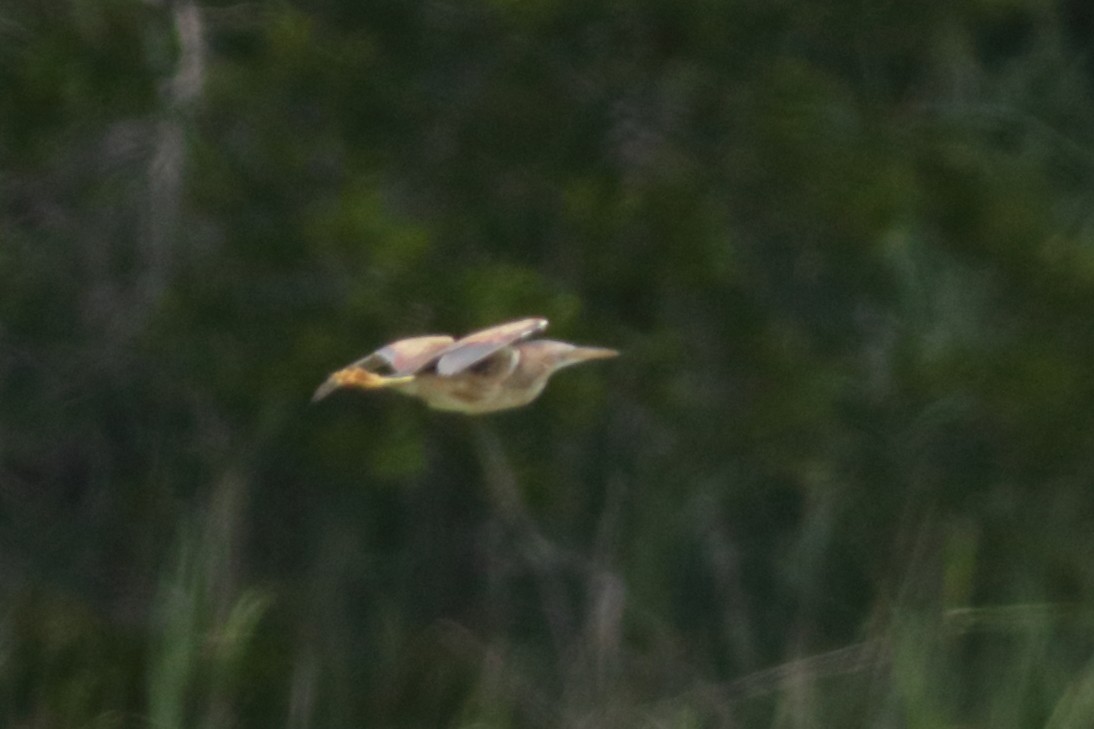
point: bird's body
(489, 370)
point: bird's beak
(356, 377)
(584, 354)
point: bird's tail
(359, 378)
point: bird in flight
(493, 369)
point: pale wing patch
(407, 356)
(479, 345)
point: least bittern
(493, 369)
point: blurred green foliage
(842, 476)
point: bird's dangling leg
(359, 378)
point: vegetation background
(842, 477)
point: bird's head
(553, 356)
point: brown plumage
(493, 369)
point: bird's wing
(406, 356)
(477, 346)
